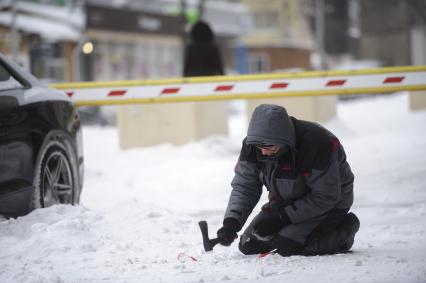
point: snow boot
(350, 225)
(339, 240)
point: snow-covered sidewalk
(140, 209)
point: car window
(7, 81)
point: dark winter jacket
(309, 176)
(202, 56)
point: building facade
(282, 40)
(41, 36)
(130, 44)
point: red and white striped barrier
(381, 80)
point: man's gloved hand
(269, 225)
(272, 222)
(228, 233)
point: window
(258, 62)
(266, 20)
(7, 81)
(48, 61)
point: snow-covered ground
(140, 210)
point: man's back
(315, 147)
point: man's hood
(270, 124)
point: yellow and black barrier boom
(311, 83)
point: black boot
(339, 240)
(350, 225)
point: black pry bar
(207, 243)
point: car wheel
(56, 180)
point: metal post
(76, 52)
(14, 37)
(319, 32)
(184, 39)
(183, 9)
(201, 9)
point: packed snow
(138, 218)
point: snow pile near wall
(140, 210)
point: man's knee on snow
(249, 245)
(246, 249)
(286, 246)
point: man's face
(268, 150)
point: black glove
(228, 233)
(269, 225)
(272, 223)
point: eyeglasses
(265, 146)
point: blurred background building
(80, 34)
(283, 39)
(41, 35)
(280, 39)
(393, 32)
(102, 40)
(128, 44)
(44, 35)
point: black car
(41, 155)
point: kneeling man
(303, 166)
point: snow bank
(140, 210)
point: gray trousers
(316, 236)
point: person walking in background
(310, 184)
(202, 55)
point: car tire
(56, 179)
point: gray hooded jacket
(309, 176)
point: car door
(15, 154)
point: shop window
(130, 60)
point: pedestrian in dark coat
(202, 56)
(310, 184)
